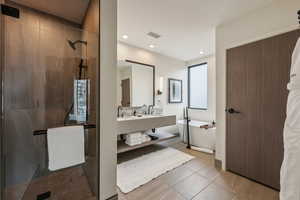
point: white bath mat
(134, 173)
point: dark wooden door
(257, 76)
(244, 78)
(126, 93)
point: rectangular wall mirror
(136, 84)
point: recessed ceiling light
(152, 46)
(201, 52)
(125, 37)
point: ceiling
(186, 27)
(72, 10)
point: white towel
(133, 143)
(145, 138)
(139, 140)
(134, 136)
(65, 147)
(134, 140)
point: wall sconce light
(161, 86)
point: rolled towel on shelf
(134, 140)
(146, 138)
(134, 135)
(133, 143)
(137, 139)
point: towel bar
(44, 132)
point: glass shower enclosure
(47, 82)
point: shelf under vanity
(162, 136)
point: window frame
(189, 86)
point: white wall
(166, 67)
(108, 99)
(279, 17)
(210, 113)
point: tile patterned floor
(195, 180)
(67, 184)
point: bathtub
(204, 139)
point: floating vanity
(133, 124)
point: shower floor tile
(64, 185)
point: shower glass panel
(47, 84)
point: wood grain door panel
(253, 130)
(236, 146)
(257, 76)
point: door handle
(232, 111)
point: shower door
(39, 72)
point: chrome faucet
(150, 109)
(119, 108)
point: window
(197, 86)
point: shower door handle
(232, 111)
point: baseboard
(115, 197)
(218, 164)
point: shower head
(72, 44)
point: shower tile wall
(38, 88)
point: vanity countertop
(128, 118)
(133, 124)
